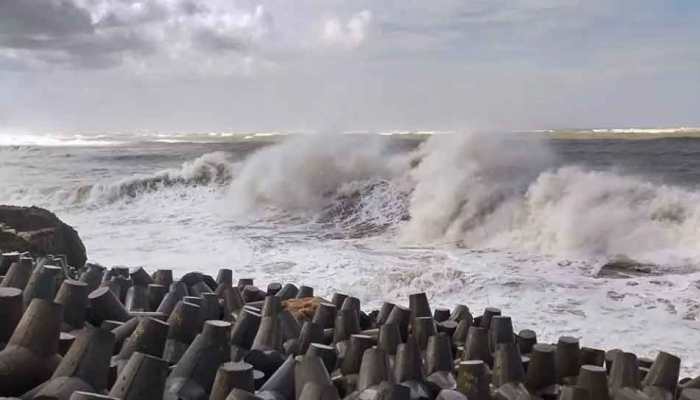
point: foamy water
(522, 225)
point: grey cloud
(211, 40)
(102, 33)
(28, 18)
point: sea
(523, 221)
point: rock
(623, 267)
(40, 232)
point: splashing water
(483, 220)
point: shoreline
(284, 331)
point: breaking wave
(475, 191)
(209, 169)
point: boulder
(622, 267)
(40, 232)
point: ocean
(519, 222)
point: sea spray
(468, 187)
(572, 210)
(493, 191)
(505, 192)
(305, 173)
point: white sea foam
(209, 169)
(9, 139)
(306, 172)
(480, 192)
(535, 236)
(682, 129)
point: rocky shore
(70, 331)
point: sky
(328, 65)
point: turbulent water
(517, 222)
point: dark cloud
(211, 40)
(60, 33)
(146, 12)
(32, 18)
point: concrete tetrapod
(500, 331)
(438, 356)
(232, 375)
(401, 316)
(281, 383)
(459, 337)
(408, 365)
(163, 277)
(106, 306)
(591, 356)
(73, 295)
(567, 357)
(238, 394)
(310, 369)
(30, 356)
(149, 338)
(136, 298)
(10, 312)
(624, 372)
(423, 328)
(177, 292)
(594, 380)
(389, 338)
(246, 328)
(526, 339)
(473, 379)
(42, 284)
(489, 313)
(155, 293)
(90, 396)
(84, 368)
(690, 394)
(92, 276)
(664, 372)
(419, 306)
(310, 333)
(384, 312)
(374, 369)
(477, 345)
(325, 315)
(143, 377)
(140, 277)
(353, 357)
(507, 365)
(304, 292)
(346, 325)
(315, 391)
(541, 371)
(183, 328)
(194, 374)
(327, 354)
(18, 274)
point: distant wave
(209, 169)
(7, 139)
(648, 130)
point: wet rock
(624, 268)
(36, 230)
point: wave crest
(208, 169)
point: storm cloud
(200, 65)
